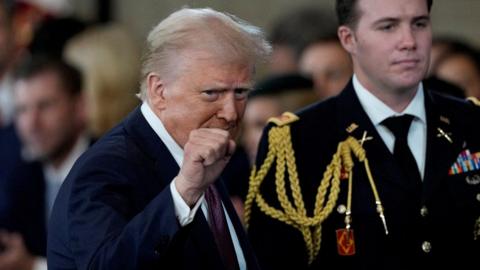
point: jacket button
(424, 211)
(426, 247)
(478, 197)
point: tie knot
(399, 125)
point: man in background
(50, 122)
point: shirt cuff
(183, 212)
(40, 263)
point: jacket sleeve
(109, 229)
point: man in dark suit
(51, 126)
(146, 195)
(385, 175)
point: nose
(408, 41)
(229, 110)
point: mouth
(407, 63)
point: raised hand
(206, 154)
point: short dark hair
(347, 13)
(69, 76)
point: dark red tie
(218, 225)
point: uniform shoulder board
(474, 100)
(284, 119)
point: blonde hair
(109, 59)
(201, 29)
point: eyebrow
(394, 19)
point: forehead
(372, 10)
(44, 84)
(208, 66)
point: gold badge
(345, 242)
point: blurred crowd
(65, 82)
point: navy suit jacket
(451, 200)
(115, 210)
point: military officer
(386, 175)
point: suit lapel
(151, 145)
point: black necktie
(219, 227)
(399, 126)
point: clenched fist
(206, 154)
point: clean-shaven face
(391, 44)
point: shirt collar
(161, 131)
(378, 111)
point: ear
(155, 91)
(347, 38)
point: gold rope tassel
(295, 214)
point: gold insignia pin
(445, 120)
(442, 133)
(351, 128)
(365, 138)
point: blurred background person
(329, 65)
(51, 124)
(272, 96)
(109, 59)
(292, 31)
(9, 55)
(460, 65)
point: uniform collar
(378, 111)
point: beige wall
(453, 17)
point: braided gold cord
(281, 150)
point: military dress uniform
(312, 208)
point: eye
(210, 95)
(420, 24)
(386, 27)
(241, 93)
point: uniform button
(341, 209)
(424, 211)
(426, 247)
(478, 197)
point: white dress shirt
(378, 111)
(184, 213)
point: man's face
(329, 65)
(390, 45)
(206, 92)
(48, 118)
